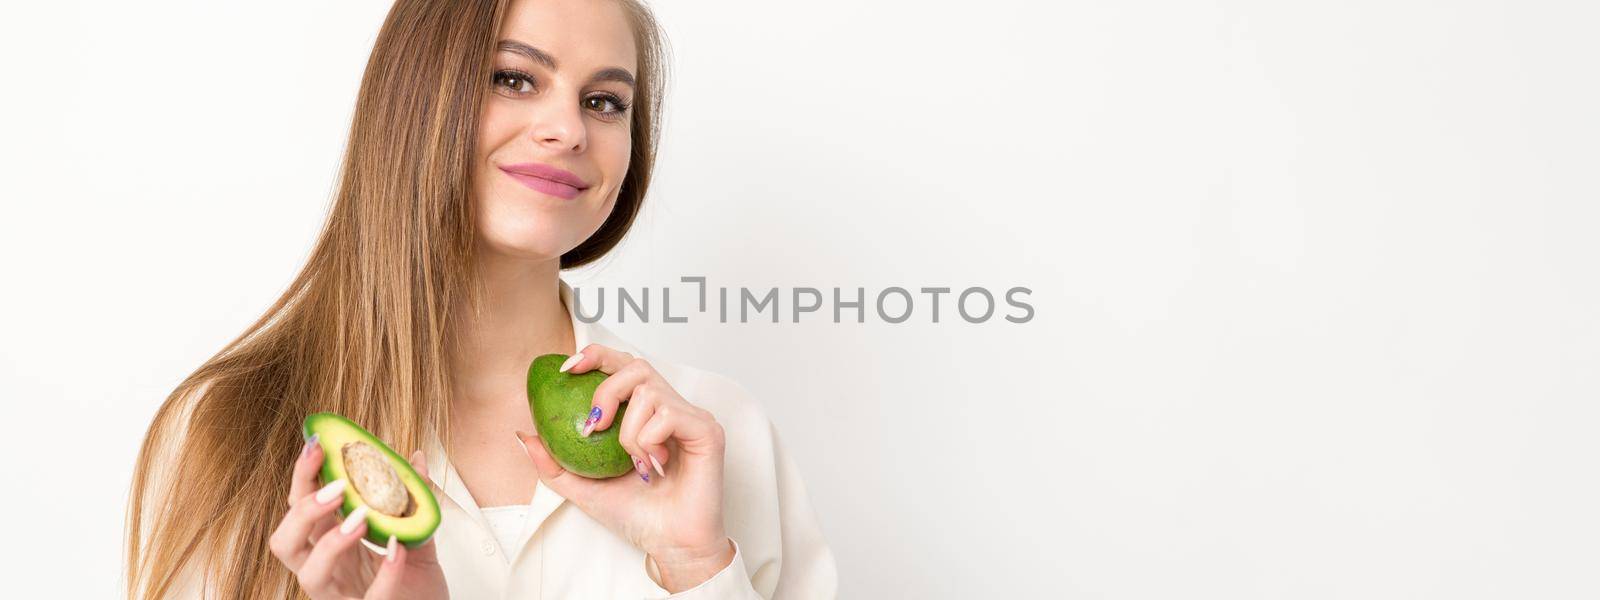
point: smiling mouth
(546, 186)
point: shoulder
(168, 430)
(155, 496)
(766, 507)
(752, 452)
(743, 418)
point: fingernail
(571, 360)
(353, 521)
(330, 491)
(638, 465)
(522, 443)
(660, 471)
(390, 556)
(311, 442)
(594, 419)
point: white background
(1315, 283)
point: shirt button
(488, 547)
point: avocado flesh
(417, 521)
(560, 403)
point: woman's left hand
(674, 514)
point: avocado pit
(376, 481)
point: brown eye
(513, 80)
(598, 104)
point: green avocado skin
(333, 431)
(560, 403)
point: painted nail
(571, 360)
(330, 491)
(353, 521)
(660, 471)
(638, 465)
(390, 556)
(594, 419)
(311, 442)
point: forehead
(582, 35)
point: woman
(494, 144)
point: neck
(521, 317)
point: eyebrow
(617, 74)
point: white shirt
(563, 553)
(779, 549)
(506, 523)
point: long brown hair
(364, 329)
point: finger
(425, 556)
(612, 392)
(304, 480)
(386, 584)
(596, 356)
(577, 488)
(316, 575)
(641, 407)
(309, 518)
(695, 430)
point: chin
(528, 242)
(514, 223)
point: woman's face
(554, 135)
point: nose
(558, 125)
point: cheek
(496, 129)
(615, 155)
(516, 221)
(512, 224)
(509, 221)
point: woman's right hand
(322, 551)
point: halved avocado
(560, 403)
(398, 500)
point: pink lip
(545, 178)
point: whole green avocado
(560, 403)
